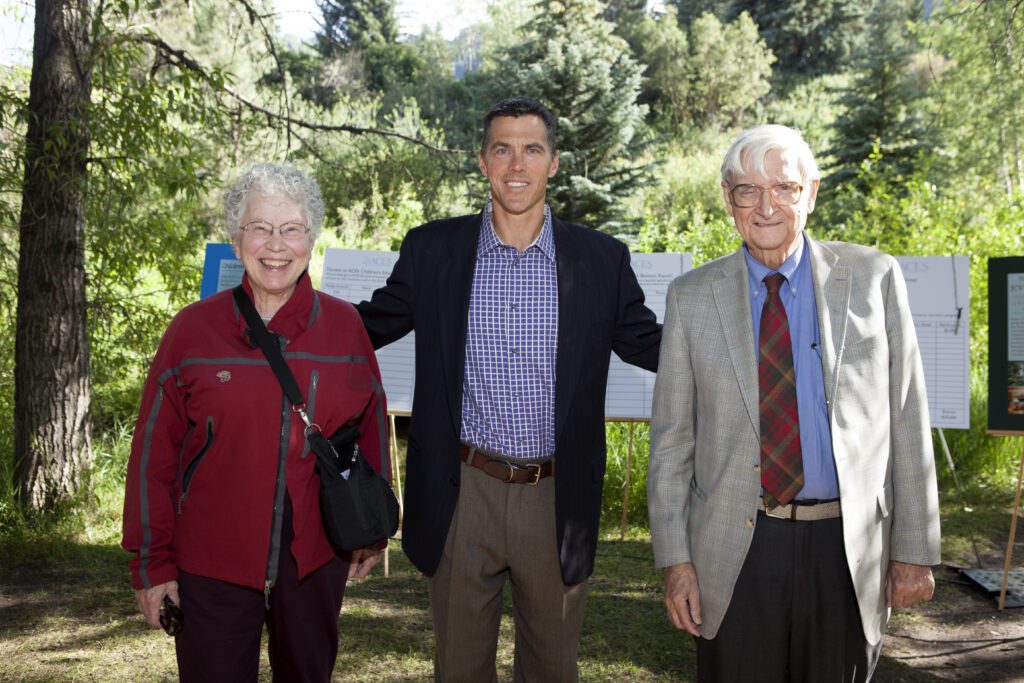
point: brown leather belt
(528, 473)
(804, 513)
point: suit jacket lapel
(568, 359)
(832, 284)
(455, 279)
(733, 302)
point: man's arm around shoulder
(388, 315)
(638, 335)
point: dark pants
(793, 614)
(224, 622)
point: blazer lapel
(567, 364)
(832, 283)
(733, 302)
(455, 280)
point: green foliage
(647, 104)
(623, 464)
(13, 102)
(810, 106)
(685, 211)
(571, 61)
(728, 70)
(356, 24)
(358, 51)
(976, 61)
(912, 216)
(809, 37)
(885, 105)
(710, 75)
(376, 190)
(152, 161)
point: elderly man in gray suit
(792, 483)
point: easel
(959, 490)
(396, 477)
(1013, 524)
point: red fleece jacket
(217, 445)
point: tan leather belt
(804, 513)
(527, 473)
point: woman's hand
(149, 600)
(363, 560)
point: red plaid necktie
(782, 468)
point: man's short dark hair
(521, 106)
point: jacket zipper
(280, 489)
(314, 379)
(190, 470)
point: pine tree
(808, 37)
(356, 24)
(357, 50)
(884, 105)
(571, 61)
(709, 76)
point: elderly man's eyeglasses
(783, 194)
(259, 230)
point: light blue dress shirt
(797, 294)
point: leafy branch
(169, 54)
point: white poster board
(939, 302)
(631, 389)
(937, 286)
(353, 275)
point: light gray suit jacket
(703, 482)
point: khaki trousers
(504, 532)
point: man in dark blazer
(515, 314)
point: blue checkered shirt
(508, 395)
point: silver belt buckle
(771, 512)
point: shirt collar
(489, 239)
(788, 269)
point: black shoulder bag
(358, 506)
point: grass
(67, 611)
(67, 614)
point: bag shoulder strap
(326, 455)
(269, 345)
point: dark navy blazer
(601, 309)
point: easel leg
(395, 465)
(1013, 532)
(959, 490)
(625, 492)
(396, 479)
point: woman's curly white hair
(274, 180)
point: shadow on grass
(71, 602)
(62, 580)
(625, 622)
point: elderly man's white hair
(274, 180)
(748, 151)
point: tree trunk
(52, 393)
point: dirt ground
(959, 636)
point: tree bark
(52, 392)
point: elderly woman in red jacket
(221, 506)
